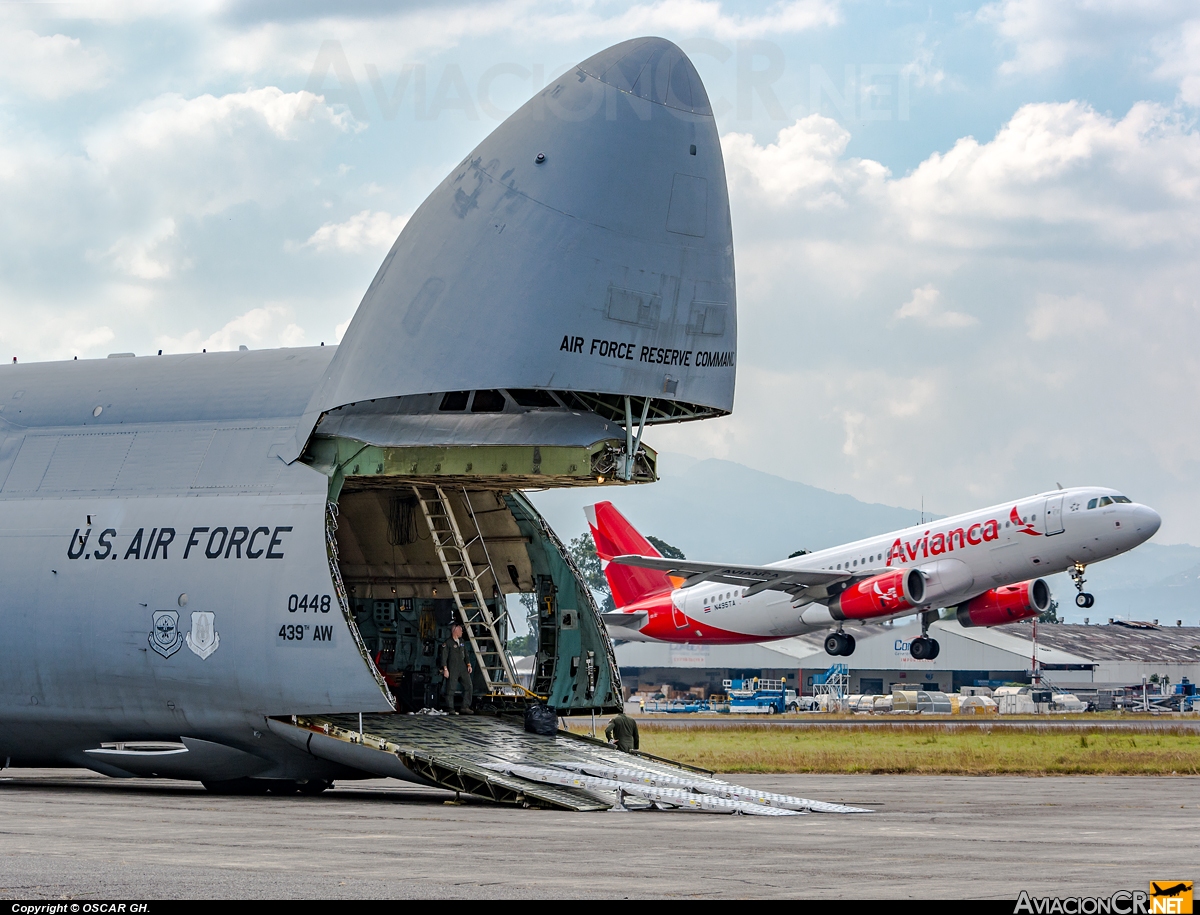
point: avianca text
(943, 542)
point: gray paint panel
(86, 463)
(688, 213)
(31, 463)
(10, 447)
(548, 427)
(199, 387)
(164, 459)
(242, 458)
(152, 459)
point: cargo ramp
(496, 759)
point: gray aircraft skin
(197, 547)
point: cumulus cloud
(926, 307)
(120, 217)
(1069, 234)
(805, 164)
(144, 178)
(1046, 34)
(362, 232)
(703, 17)
(1179, 52)
(202, 155)
(34, 332)
(922, 71)
(269, 326)
(1055, 170)
(49, 66)
(141, 256)
(387, 35)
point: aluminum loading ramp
(496, 759)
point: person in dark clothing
(456, 668)
(623, 731)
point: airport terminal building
(1071, 657)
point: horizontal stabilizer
(620, 620)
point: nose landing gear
(839, 644)
(1083, 599)
(924, 648)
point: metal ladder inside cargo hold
(478, 624)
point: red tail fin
(614, 536)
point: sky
(965, 233)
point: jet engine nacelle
(882, 595)
(1006, 605)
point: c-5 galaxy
(217, 565)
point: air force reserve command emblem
(165, 637)
(204, 639)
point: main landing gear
(839, 644)
(1083, 598)
(924, 648)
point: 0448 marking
(303, 603)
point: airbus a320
(979, 563)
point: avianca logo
(1023, 526)
(944, 542)
(887, 599)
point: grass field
(922, 751)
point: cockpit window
(488, 402)
(1092, 503)
(1124, 500)
(532, 398)
(1105, 500)
(454, 401)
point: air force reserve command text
(651, 355)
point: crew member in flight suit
(456, 668)
(623, 731)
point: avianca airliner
(980, 563)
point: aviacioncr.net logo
(1122, 902)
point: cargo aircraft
(979, 563)
(208, 558)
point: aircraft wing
(753, 578)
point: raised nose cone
(651, 69)
(584, 246)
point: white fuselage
(961, 557)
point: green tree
(1051, 613)
(522, 645)
(583, 551)
(671, 552)
(798, 553)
